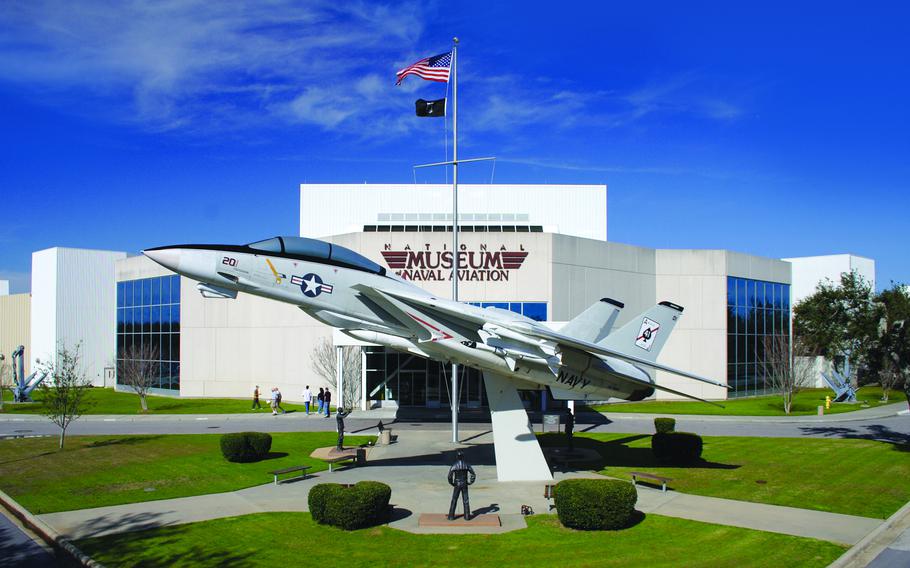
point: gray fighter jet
(585, 360)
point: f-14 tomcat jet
(585, 360)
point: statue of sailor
(461, 474)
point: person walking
(256, 399)
(273, 401)
(327, 398)
(307, 398)
(320, 398)
(278, 401)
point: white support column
(518, 454)
(363, 379)
(339, 376)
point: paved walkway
(416, 469)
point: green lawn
(94, 471)
(107, 401)
(857, 477)
(805, 402)
(293, 539)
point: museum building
(539, 250)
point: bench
(300, 468)
(358, 456)
(660, 479)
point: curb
(866, 543)
(47, 534)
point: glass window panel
(121, 320)
(500, 305)
(750, 293)
(741, 348)
(731, 291)
(165, 289)
(175, 347)
(165, 343)
(537, 311)
(175, 289)
(742, 325)
(740, 292)
(731, 349)
(731, 319)
(120, 293)
(156, 319)
(121, 345)
(515, 307)
(137, 319)
(155, 284)
(786, 297)
(175, 376)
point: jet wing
(426, 323)
(547, 335)
(542, 333)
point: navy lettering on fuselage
(572, 380)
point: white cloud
(189, 61)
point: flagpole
(454, 400)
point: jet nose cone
(166, 257)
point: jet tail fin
(596, 322)
(646, 334)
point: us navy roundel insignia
(311, 285)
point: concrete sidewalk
(884, 411)
(416, 470)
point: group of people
(323, 398)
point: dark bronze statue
(570, 429)
(339, 421)
(460, 476)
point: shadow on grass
(26, 458)
(275, 456)
(900, 441)
(616, 453)
(167, 549)
(128, 441)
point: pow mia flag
(431, 108)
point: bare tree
(325, 358)
(6, 376)
(139, 369)
(786, 370)
(64, 397)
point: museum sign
(484, 263)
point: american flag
(434, 68)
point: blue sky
(778, 129)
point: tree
(325, 358)
(64, 393)
(139, 369)
(837, 321)
(888, 360)
(786, 370)
(6, 377)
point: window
(756, 312)
(148, 313)
(536, 311)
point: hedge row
(676, 447)
(245, 446)
(662, 425)
(350, 507)
(595, 504)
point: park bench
(660, 479)
(300, 468)
(357, 456)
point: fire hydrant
(827, 402)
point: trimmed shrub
(663, 425)
(676, 447)
(595, 504)
(361, 505)
(245, 447)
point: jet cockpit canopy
(319, 251)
